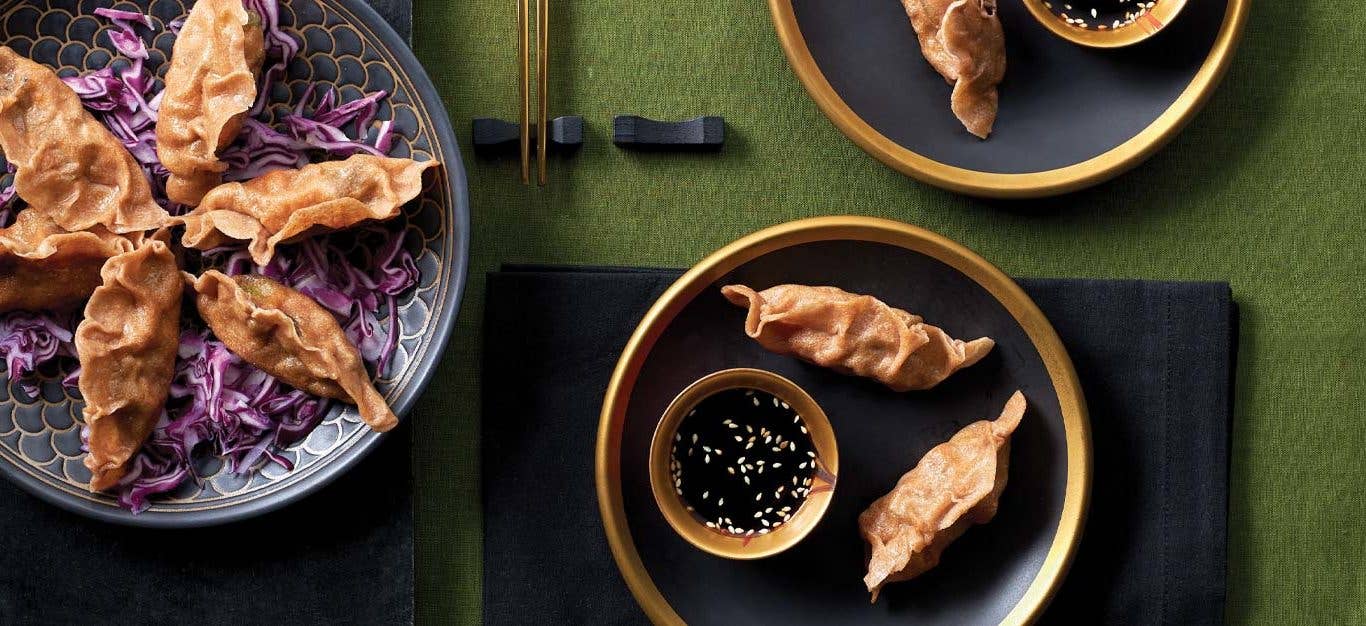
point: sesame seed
(706, 459)
(746, 480)
(758, 514)
(738, 438)
(731, 470)
(704, 494)
(764, 522)
(758, 496)
(720, 502)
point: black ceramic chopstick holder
(707, 132)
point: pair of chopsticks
(542, 66)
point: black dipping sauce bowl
(743, 464)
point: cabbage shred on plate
(219, 404)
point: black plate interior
(881, 434)
(1061, 103)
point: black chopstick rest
(707, 132)
(494, 135)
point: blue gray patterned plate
(346, 45)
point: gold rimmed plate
(1070, 116)
(1001, 572)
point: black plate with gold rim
(1070, 116)
(1004, 571)
(346, 46)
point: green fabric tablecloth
(1264, 189)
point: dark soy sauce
(1100, 14)
(742, 461)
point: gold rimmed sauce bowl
(1105, 23)
(743, 463)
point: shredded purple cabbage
(219, 404)
(29, 340)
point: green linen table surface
(1264, 189)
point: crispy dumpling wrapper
(956, 484)
(70, 167)
(854, 334)
(210, 85)
(972, 34)
(964, 42)
(290, 337)
(127, 346)
(288, 204)
(43, 267)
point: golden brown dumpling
(210, 85)
(955, 485)
(290, 337)
(972, 35)
(43, 267)
(854, 334)
(287, 204)
(70, 167)
(127, 346)
(963, 41)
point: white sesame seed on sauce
(731, 470)
(758, 514)
(720, 502)
(746, 480)
(1093, 12)
(758, 496)
(738, 439)
(705, 494)
(756, 402)
(706, 459)
(777, 465)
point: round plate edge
(607, 469)
(1093, 171)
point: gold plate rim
(1092, 171)
(607, 457)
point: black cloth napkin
(343, 555)
(1155, 360)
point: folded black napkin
(341, 556)
(1155, 360)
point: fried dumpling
(955, 485)
(210, 85)
(43, 267)
(963, 41)
(854, 334)
(70, 167)
(290, 337)
(127, 347)
(287, 204)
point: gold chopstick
(542, 79)
(524, 62)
